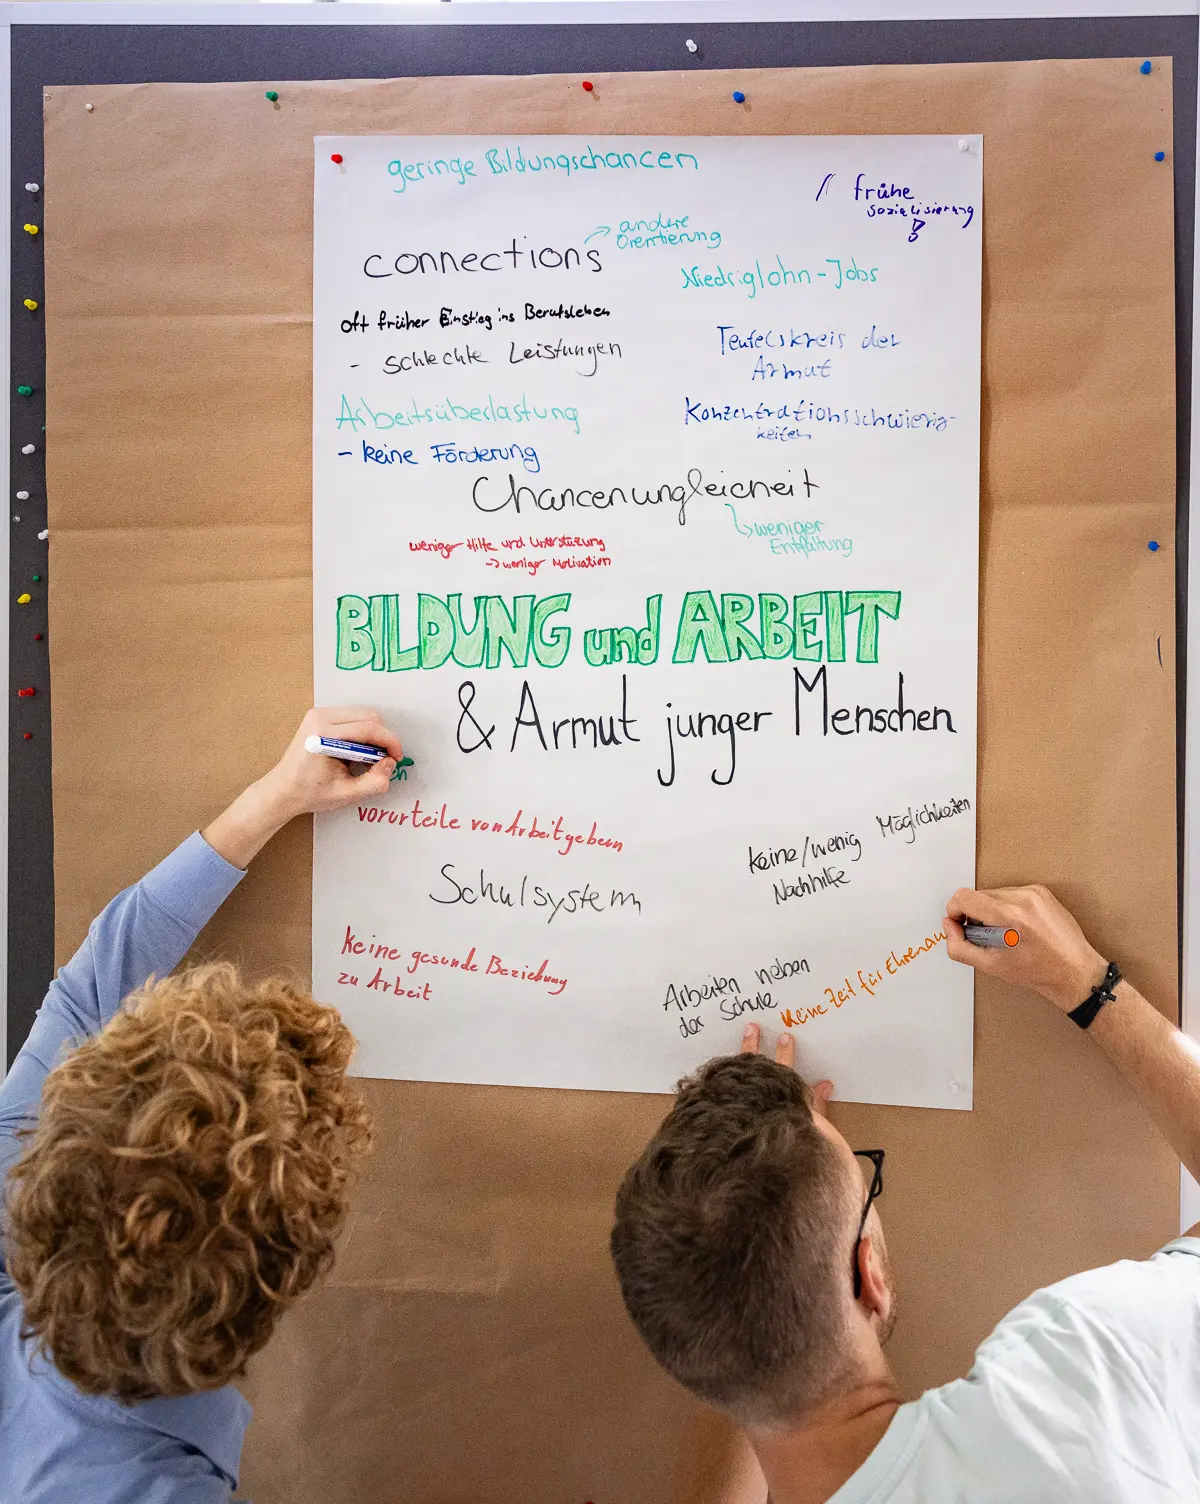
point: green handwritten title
(831, 626)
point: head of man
(185, 1183)
(735, 1247)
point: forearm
(1160, 1063)
(144, 930)
(241, 831)
(302, 783)
(148, 929)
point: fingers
(984, 908)
(354, 723)
(344, 788)
(374, 781)
(785, 1055)
(960, 949)
(957, 946)
(370, 730)
(340, 715)
(990, 907)
(785, 1048)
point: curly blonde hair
(185, 1183)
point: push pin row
(739, 96)
(25, 389)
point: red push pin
(37, 637)
(26, 694)
(588, 85)
(29, 736)
(336, 157)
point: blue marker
(330, 746)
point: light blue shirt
(58, 1446)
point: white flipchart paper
(645, 507)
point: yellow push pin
(31, 229)
(31, 304)
(23, 600)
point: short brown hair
(732, 1243)
(184, 1184)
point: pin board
(612, 844)
(470, 1342)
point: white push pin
(964, 145)
(28, 448)
(22, 495)
(690, 45)
(44, 534)
(16, 518)
(31, 188)
(89, 108)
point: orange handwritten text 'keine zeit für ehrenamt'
(521, 827)
(865, 980)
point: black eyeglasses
(875, 1189)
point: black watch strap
(1096, 999)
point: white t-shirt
(1089, 1390)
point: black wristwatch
(1096, 999)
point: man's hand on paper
(785, 1054)
(1052, 956)
(303, 783)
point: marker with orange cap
(993, 936)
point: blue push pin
(738, 97)
(1160, 156)
(1146, 66)
(1152, 546)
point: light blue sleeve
(145, 931)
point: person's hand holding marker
(1048, 953)
(301, 783)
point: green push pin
(273, 95)
(24, 391)
(37, 579)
